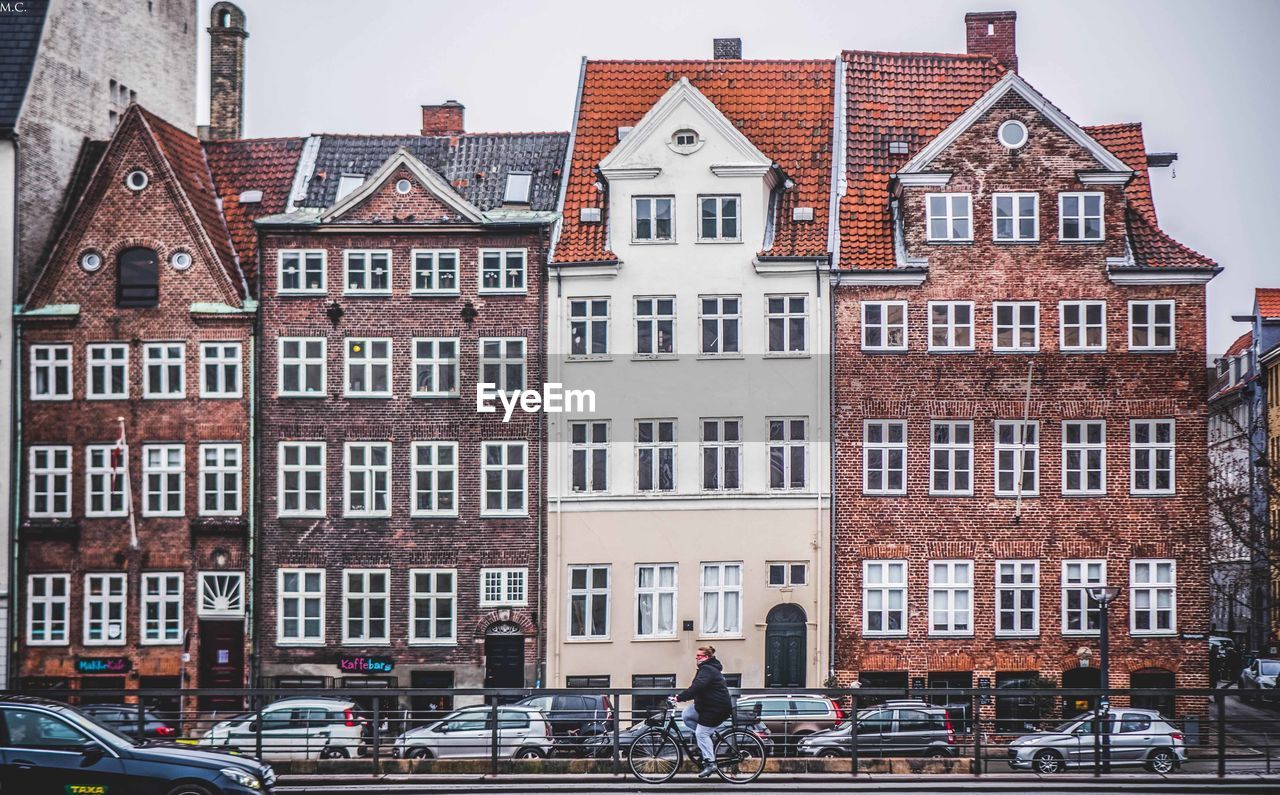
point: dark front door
(784, 640)
(504, 661)
(1079, 679)
(221, 663)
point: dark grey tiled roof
(476, 164)
(19, 44)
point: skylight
(518, 188)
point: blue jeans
(701, 733)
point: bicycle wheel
(654, 756)
(740, 756)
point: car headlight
(242, 777)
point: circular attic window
(685, 141)
(1012, 134)
(90, 261)
(180, 260)
(137, 179)
(403, 186)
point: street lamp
(1104, 595)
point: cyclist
(711, 705)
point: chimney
(992, 33)
(226, 72)
(443, 119)
(728, 49)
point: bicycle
(656, 754)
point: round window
(180, 260)
(1013, 134)
(137, 179)
(685, 138)
(403, 186)
(90, 261)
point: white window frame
(302, 595)
(110, 605)
(155, 354)
(886, 448)
(654, 593)
(165, 471)
(221, 470)
(654, 319)
(588, 594)
(1151, 325)
(49, 601)
(788, 570)
(885, 326)
(432, 599)
(303, 361)
(504, 467)
(720, 201)
(503, 361)
(52, 359)
(505, 271)
(950, 326)
(302, 255)
(1084, 584)
(1085, 448)
(369, 362)
(950, 216)
(222, 362)
(722, 449)
(366, 599)
(426, 478)
(659, 450)
(785, 446)
(101, 472)
(585, 452)
(885, 587)
(1081, 326)
(428, 260)
(722, 319)
(301, 468)
(511, 581)
(1082, 216)
(368, 255)
(1018, 569)
(171, 608)
(45, 480)
(952, 589)
(234, 587)
(437, 363)
(784, 318)
(1019, 461)
(371, 472)
(951, 450)
(1153, 449)
(1016, 217)
(106, 364)
(1015, 326)
(592, 326)
(653, 219)
(1151, 588)
(719, 591)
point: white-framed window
(433, 606)
(368, 364)
(161, 607)
(48, 606)
(589, 456)
(1016, 326)
(653, 219)
(721, 454)
(721, 319)
(1153, 601)
(718, 218)
(1082, 325)
(1151, 326)
(1081, 615)
(884, 457)
(1015, 217)
(50, 372)
(503, 270)
(103, 488)
(105, 600)
(949, 216)
(220, 466)
(721, 594)
(302, 366)
(787, 323)
(588, 328)
(884, 597)
(301, 271)
(1017, 597)
(950, 325)
(1084, 457)
(163, 479)
(788, 452)
(499, 587)
(951, 457)
(517, 187)
(1080, 216)
(950, 597)
(788, 574)
(108, 371)
(505, 478)
(502, 363)
(367, 473)
(655, 455)
(300, 611)
(368, 272)
(435, 479)
(165, 369)
(655, 326)
(588, 602)
(656, 598)
(1013, 469)
(884, 325)
(302, 479)
(220, 370)
(221, 594)
(1151, 456)
(366, 606)
(50, 479)
(435, 272)
(435, 367)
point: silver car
(1138, 737)
(1258, 680)
(523, 733)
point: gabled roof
(1243, 343)
(784, 108)
(20, 34)
(1268, 301)
(429, 179)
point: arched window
(138, 278)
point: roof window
(348, 183)
(518, 184)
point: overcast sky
(1200, 76)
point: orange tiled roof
(1125, 142)
(784, 108)
(1268, 299)
(1242, 344)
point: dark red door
(221, 663)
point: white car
(523, 733)
(295, 728)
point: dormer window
(348, 183)
(718, 218)
(1079, 216)
(518, 184)
(653, 222)
(950, 217)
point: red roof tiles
(1268, 299)
(1242, 344)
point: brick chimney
(445, 119)
(727, 49)
(992, 33)
(226, 72)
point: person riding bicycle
(711, 705)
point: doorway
(1078, 679)
(784, 642)
(221, 664)
(504, 658)
(1153, 678)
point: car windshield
(1269, 667)
(1066, 727)
(99, 730)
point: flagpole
(128, 488)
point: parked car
(124, 719)
(49, 747)
(1137, 737)
(1258, 680)
(573, 719)
(523, 733)
(602, 744)
(791, 717)
(895, 728)
(295, 728)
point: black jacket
(709, 693)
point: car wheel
(1048, 762)
(190, 789)
(936, 753)
(530, 753)
(334, 752)
(420, 752)
(830, 753)
(1162, 760)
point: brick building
(1019, 402)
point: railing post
(142, 723)
(853, 737)
(493, 737)
(257, 721)
(1097, 738)
(377, 735)
(975, 706)
(617, 718)
(1221, 700)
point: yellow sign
(86, 789)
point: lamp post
(1104, 595)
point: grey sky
(1201, 76)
